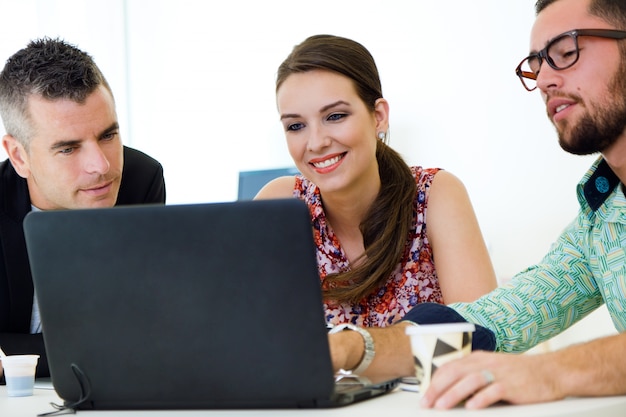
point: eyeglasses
(560, 53)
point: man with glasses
(578, 63)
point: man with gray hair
(64, 152)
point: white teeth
(327, 162)
(561, 107)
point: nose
(95, 159)
(318, 139)
(548, 78)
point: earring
(382, 135)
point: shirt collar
(597, 184)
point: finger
(461, 390)
(487, 396)
(441, 382)
(447, 377)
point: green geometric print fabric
(584, 268)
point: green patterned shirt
(584, 268)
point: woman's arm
(461, 258)
(393, 351)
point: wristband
(369, 352)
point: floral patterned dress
(413, 281)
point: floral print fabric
(413, 281)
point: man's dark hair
(612, 11)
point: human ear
(381, 114)
(17, 155)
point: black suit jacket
(142, 183)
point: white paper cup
(435, 344)
(19, 373)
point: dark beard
(596, 133)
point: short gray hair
(50, 68)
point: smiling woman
(377, 258)
(373, 270)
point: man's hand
(595, 368)
(484, 378)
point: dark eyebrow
(323, 109)
(115, 126)
(64, 144)
(549, 41)
(336, 103)
(69, 143)
(288, 116)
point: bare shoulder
(445, 184)
(281, 187)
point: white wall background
(194, 84)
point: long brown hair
(386, 226)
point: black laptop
(185, 307)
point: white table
(396, 404)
